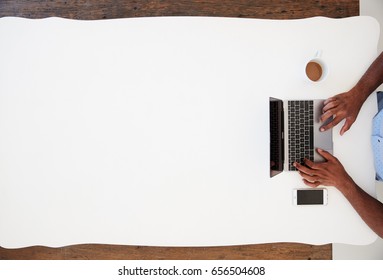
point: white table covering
(154, 131)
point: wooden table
(108, 9)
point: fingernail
(322, 129)
(320, 150)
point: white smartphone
(317, 196)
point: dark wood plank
(280, 251)
(109, 9)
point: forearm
(372, 79)
(369, 208)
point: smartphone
(310, 196)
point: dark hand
(329, 173)
(342, 106)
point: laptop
(295, 135)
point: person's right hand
(342, 106)
(328, 173)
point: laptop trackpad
(322, 140)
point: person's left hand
(329, 173)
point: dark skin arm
(332, 173)
(346, 106)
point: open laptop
(294, 133)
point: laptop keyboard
(300, 131)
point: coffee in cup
(315, 70)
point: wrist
(347, 187)
(360, 93)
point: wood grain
(280, 251)
(109, 9)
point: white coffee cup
(316, 69)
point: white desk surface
(154, 131)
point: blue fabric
(379, 96)
(377, 138)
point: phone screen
(309, 197)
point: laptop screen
(276, 136)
